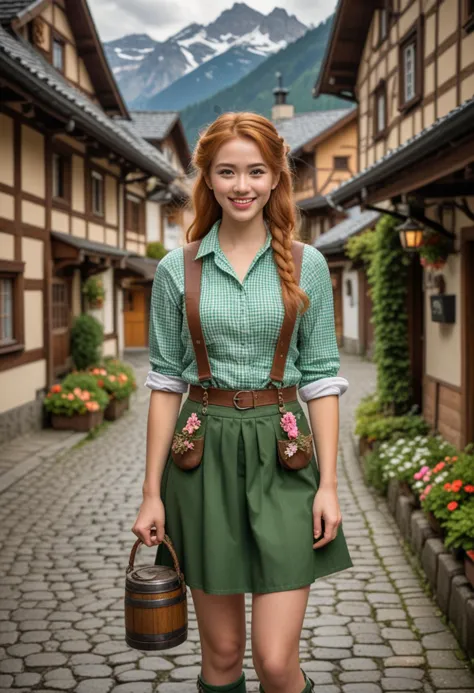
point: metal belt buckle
(236, 396)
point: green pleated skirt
(240, 522)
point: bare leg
(277, 620)
(221, 623)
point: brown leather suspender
(192, 286)
(284, 339)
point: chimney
(281, 109)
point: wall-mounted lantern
(411, 235)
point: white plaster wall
(152, 221)
(120, 325)
(350, 309)
(19, 385)
(108, 279)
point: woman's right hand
(151, 515)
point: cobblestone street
(65, 542)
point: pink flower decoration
(189, 444)
(288, 422)
(426, 477)
(192, 424)
(428, 489)
(292, 432)
(291, 449)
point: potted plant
(87, 336)
(93, 290)
(76, 404)
(440, 499)
(116, 366)
(434, 250)
(118, 387)
(460, 534)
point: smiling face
(241, 180)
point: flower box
(77, 422)
(469, 566)
(116, 408)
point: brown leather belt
(242, 399)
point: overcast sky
(163, 18)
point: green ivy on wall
(387, 274)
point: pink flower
(428, 489)
(192, 424)
(189, 445)
(422, 472)
(292, 432)
(288, 422)
(291, 449)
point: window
(58, 54)
(61, 176)
(60, 305)
(11, 306)
(409, 57)
(97, 194)
(411, 68)
(133, 213)
(6, 312)
(341, 163)
(380, 110)
(469, 15)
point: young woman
(244, 317)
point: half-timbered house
(409, 65)
(67, 171)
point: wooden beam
(426, 172)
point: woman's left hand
(326, 506)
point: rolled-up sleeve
(318, 360)
(166, 347)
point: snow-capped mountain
(241, 37)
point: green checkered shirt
(241, 322)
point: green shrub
(116, 366)
(156, 250)
(78, 393)
(460, 528)
(93, 290)
(116, 386)
(373, 470)
(379, 427)
(449, 488)
(87, 336)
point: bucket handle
(168, 543)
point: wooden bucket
(156, 610)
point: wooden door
(336, 279)
(135, 317)
(61, 332)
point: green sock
(236, 686)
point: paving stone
(400, 684)
(133, 688)
(136, 675)
(402, 647)
(45, 659)
(362, 676)
(337, 642)
(372, 651)
(361, 688)
(358, 663)
(439, 641)
(329, 653)
(92, 670)
(95, 686)
(404, 661)
(11, 666)
(405, 672)
(452, 678)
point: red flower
(447, 487)
(452, 506)
(469, 488)
(457, 485)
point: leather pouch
(190, 459)
(299, 459)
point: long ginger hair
(279, 212)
